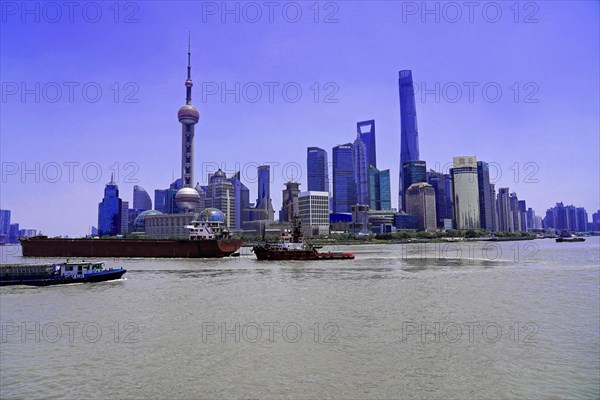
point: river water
(512, 320)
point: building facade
(318, 169)
(366, 132)
(420, 201)
(141, 199)
(465, 191)
(485, 196)
(109, 211)
(361, 171)
(220, 195)
(289, 206)
(505, 221)
(313, 210)
(344, 183)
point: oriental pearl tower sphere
(187, 198)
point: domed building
(139, 224)
(187, 200)
(212, 215)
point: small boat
(570, 239)
(56, 274)
(292, 247)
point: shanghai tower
(409, 136)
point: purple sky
(542, 133)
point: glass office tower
(409, 136)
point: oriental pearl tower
(187, 198)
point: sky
(93, 88)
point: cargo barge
(206, 240)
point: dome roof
(419, 185)
(212, 214)
(141, 218)
(187, 199)
(188, 112)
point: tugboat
(292, 247)
(56, 274)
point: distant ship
(207, 239)
(56, 274)
(292, 247)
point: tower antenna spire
(188, 82)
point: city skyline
(518, 137)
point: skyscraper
(379, 189)
(289, 206)
(318, 171)
(141, 199)
(187, 198)
(465, 190)
(344, 183)
(505, 221)
(366, 132)
(413, 172)
(485, 196)
(442, 209)
(420, 201)
(361, 171)
(109, 211)
(264, 206)
(241, 195)
(523, 216)
(124, 217)
(4, 222)
(514, 211)
(220, 195)
(409, 136)
(313, 210)
(494, 207)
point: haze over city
(541, 132)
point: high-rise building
(505, 221)
(465, 190)
(485, 196)
(241, 195)
(124, 217)
(289, 206)
(4, 222)
(141, 199)
(318, 170)
(379, 189)
(160, 197)
(264, 206)
(515, 212)
(523, 216)
(344, 183)
(366, 132)
(109, 210)
(313, 209)
(413, 172)
(361, 171)
(443, 210)
(494, 204)
(596, 221)
(420, 201)
(581, 223)
(187, 198)
(409, 136)
(220, 195)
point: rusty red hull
(46, 247)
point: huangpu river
(514, 320)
